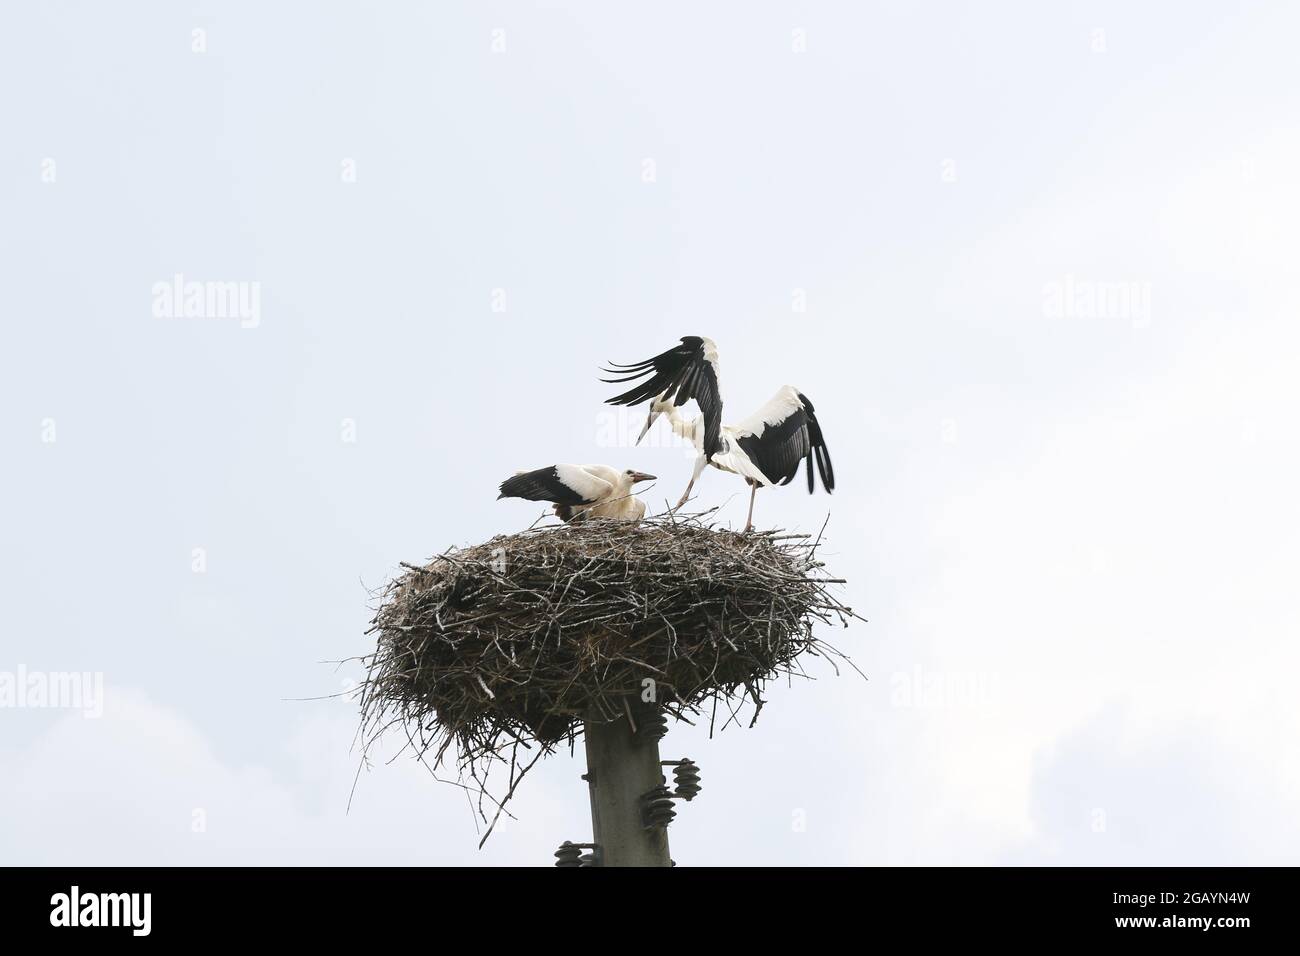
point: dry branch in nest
(514, 643)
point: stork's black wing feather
(817, 449)
(680, 374)
(544, 484)
(779, 449)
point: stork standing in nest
(581, 491)
(764, 449)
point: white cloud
(129, 788)
(1141, 556)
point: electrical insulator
(569, 854)
(652, 724)
(657, 808)
(687, 776)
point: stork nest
(516, 642)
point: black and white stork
(580, 491)
(764, 449)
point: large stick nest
(517, 641)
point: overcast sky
(1034, 263)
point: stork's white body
(731, 458)
(609, 489)
(581, 491)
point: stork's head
(658, 407)
(632, 477)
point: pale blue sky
(1074, 534)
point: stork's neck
(690, 429)
(686, 428)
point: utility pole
(622, 767)
(631, 804)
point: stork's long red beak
(641, 476)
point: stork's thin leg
(699, 467)
(749, 519)
(685, 494)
